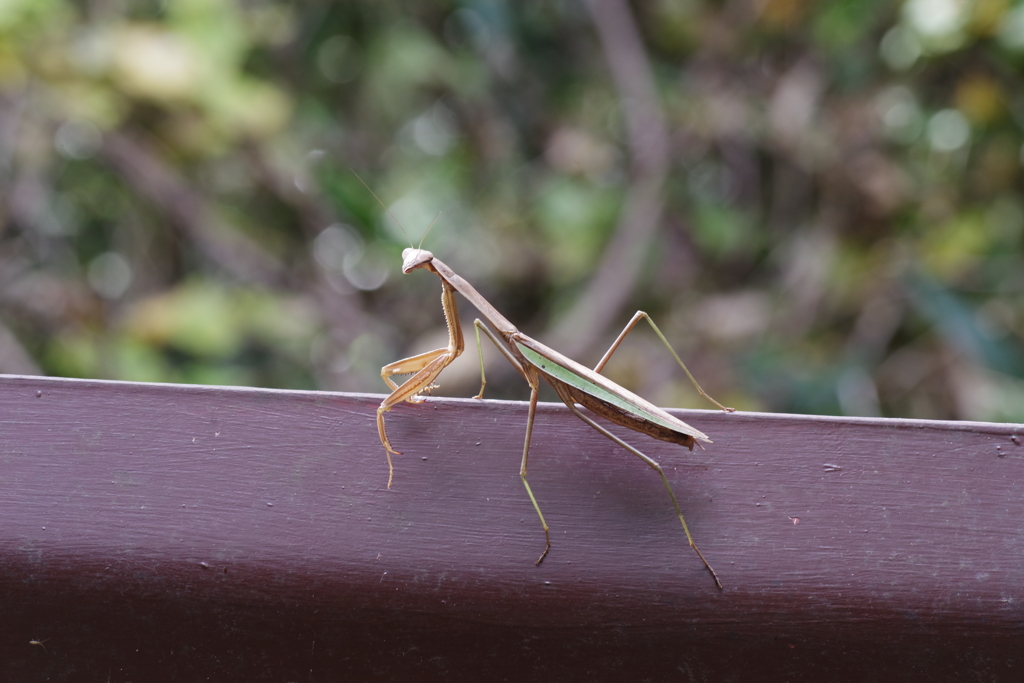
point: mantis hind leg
(637, 317)
(657, 468)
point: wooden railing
(176, 533)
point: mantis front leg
(637, 317)
(427, 367)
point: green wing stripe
(583, 384)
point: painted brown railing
(172, 533)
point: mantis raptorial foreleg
(654, 465)
(427, 367)
(408, 366)
(407, 392)
(637, 317)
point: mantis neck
(474, 297)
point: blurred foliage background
(820, 203)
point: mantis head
(415, 258)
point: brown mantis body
(574, 383)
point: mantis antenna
(397, 222)
(420, 245)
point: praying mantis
(574, 383)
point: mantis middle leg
(531, 377)
(535, 389)
(502, 346)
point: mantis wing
(584, 379)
